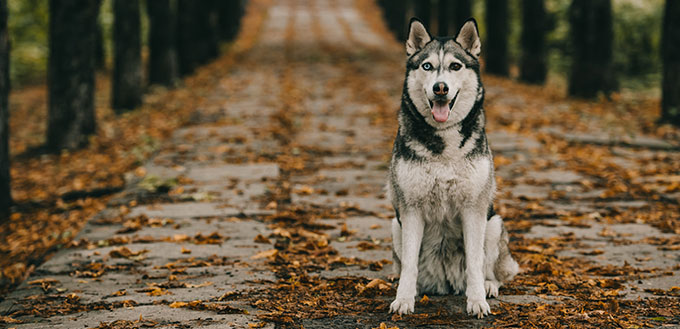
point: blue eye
(427, 66)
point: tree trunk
(443, 9)
(532, 68)
(5, 195)
(70, 77)
(592, 36)
(670, 103)
(400, 19)
(497, 37)
(208, 33)
(423, 11)
(162, 51)
(462, 10)
(229, 18)
(186, 36)
(197, 33)
(127, 62)
(395, 16)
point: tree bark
(186, 36)
(229, 18)
(592, 35)
(395, 16)
(207, 22)
(670, 50)
(162, 65)
(443, 8)
(533, 67)
(497, 37)
(462, 10)
(423, 11)
(5, 195)
(197, 33)
(71, 67)
(127, 61)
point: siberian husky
(446, 237)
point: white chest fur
(439, 188)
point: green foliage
(153, 183)
(106, 23)
(557, 39)
(515, 30)
(29, 33)
(28, 27)
(637, 34)
(637, 40)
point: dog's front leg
(411, 237)
(474, 225)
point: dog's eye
(427, 66)
(455, 66)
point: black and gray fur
(446, 236)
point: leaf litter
(575, 291)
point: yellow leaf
(204, 284)
(178, 304)
(156, 291)
(42, 281)
(266, 254)
(380, 284)
(7, 319)
(121, 292)
(140, 172)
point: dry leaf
(265, 254)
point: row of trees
(182, 35)
(591, 38)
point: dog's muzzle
(441, 107)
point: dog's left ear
(418, 36)
(468, 38)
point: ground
(268, 210)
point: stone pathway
(304, 121)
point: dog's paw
(403, 305)
(480, 308)
(491, 288)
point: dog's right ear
(418, 36)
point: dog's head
(442, 75)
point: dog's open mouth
(442, 109)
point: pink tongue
(440, 111)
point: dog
(446, 237)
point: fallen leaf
(266, 254)
(261, 239)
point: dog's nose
(440, 89)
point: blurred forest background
(636, 29)
(637, 39)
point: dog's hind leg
(506, 267)
(498, 263)
(491, 239)
(396, 246)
